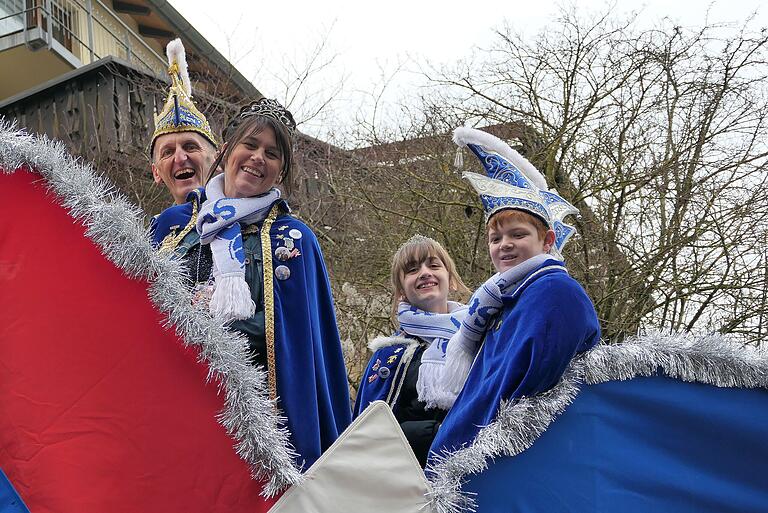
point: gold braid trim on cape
(170, 242)
(269, 298)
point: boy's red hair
(510, 215)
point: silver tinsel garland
(709, 359)
(117, 227)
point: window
(62, 18)
(11, 16)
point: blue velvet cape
(543, 324)
(385, 370)
(311, 375)
(174, 218)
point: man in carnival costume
(182, 149)
(528, 321)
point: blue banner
(10, 502)
(646, 445)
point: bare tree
(309, 83)
(658, 136)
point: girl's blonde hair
(416, 250)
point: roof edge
(83, 70)
(202, 46)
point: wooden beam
(147, 31)
(129, 8)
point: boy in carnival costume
(527, 322)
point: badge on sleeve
(282, 272)
(282, 253)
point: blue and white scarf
(436, 329)
(219, 225)
(484, 304)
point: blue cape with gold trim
(384, 372)
(312, 386)
(311, 376)
(175, 218)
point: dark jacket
(391, 376)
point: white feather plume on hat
(177, 55)
(464, 135)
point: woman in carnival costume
(262, 269)
(527, 322)
(405, 368)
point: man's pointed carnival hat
(513, 183)
(179, 113)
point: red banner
(102, 409)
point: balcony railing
(88, 29)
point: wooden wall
(105, 114)
(93, 113)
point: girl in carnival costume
(405, 368)
(262, 269)
(527, 322)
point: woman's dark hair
(253, 125)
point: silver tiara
(416, 239)
(266, 107)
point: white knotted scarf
(436, 329)
(219, 225)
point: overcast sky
(370, 41)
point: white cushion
(370, 467)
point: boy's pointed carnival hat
(179, 113)
(513, 183)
